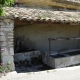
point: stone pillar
(6, 42)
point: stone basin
(62, 59)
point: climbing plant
(4, 3)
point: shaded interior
(57, 56)
(66, 54)
(73, 53)
(35, 64)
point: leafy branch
(4, 3)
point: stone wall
(35, 36)
(6, 41)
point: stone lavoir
(57, 24)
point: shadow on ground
(32, 67)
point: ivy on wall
(4, 3)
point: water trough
(62, 59)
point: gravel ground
(72, 73)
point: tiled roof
(43, 15)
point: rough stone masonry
(6, 42)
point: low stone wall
(6, 41)
(26, 55)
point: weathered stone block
(1, 23)
(7, 23)
(11, 40)
(4, 51)
(6, 29)
(3, 43)
(13, 66)
(10, 43)
(1, 33)
(8, 59)
(11, 51)
(11, 24)
(3, 38)
(10, 34)
(7, 20)
(7, 51)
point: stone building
(33, 27)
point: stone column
(6, 42)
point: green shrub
(5, 69)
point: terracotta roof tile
(40, 14)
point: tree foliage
(4, 3)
